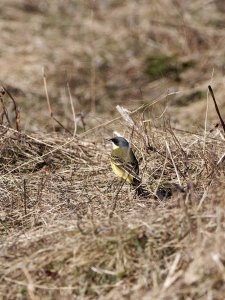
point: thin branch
(17, 113)
(25, 196)
(49, 105)
(73, 111)
(175, 168)
(217, 108)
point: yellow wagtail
(124, 163)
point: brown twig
(25, 196)
(49, 106)
(4, 113)
(115, 199)
(17, 113)
(217, 108)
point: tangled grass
(68, 231)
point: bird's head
(119, 142)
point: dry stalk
(25, 196)
(50, 107)
(217, 108)
(175, 168)
(16, 109)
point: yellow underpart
(124, 155)
(121, 173)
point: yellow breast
(125, 157)
(121, 173)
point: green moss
(186, 100)
(23, 290)
(158, 66)
(186, 65)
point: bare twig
(25, 196)
(49, 105)
(17, 113)
(175, 168)
(73, 111)
(216, 107)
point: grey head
(120, 142)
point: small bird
(125, 164)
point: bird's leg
(115, 198)
(110, 184)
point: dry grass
(68, 230)
(111, 53)
(60, 241)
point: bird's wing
(126, 166)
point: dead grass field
(68, 230)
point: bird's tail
(140, 189)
